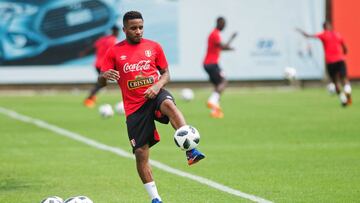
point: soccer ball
(78, 199)
(187, 94)
(119, 108)
(187, 137)
(53, 199)
(331, 88)
(106, 111)
(290, 73)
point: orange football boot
(213, 106)
(349, 99)
(217, 113)
(90, 102)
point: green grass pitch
(280, 145)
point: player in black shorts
(136, 63)
(215, 46)
(335, 51)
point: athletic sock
(347, 89)
(152, 190)
(94, 90)
(214, 98)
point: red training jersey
(101, 46)
(138, 68)
(213, 48)
(332, 42)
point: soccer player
(335, 51)
(101, 46)
(211, 66)
(140, 67)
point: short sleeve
(340, 38)
(320, 35)
(160, 60)
(216, 39)
(108, 61)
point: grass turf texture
(284, 146)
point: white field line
(123, 153)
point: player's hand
(234, 35)
(111, 75)
(299, 30)
(152, 91)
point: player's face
(221, 25)
(134, 30)
(328, 26)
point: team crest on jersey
(133, 143)
(148, 53)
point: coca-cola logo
(141, 65)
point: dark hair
(219, 19)
(115, 28)
(131, 15)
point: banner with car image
(42, 41)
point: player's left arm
(152, 91)
(344, 48)
(226, 46)
(164, 79)
(162, 66)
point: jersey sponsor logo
(140, 66)
(148, 53)
(140, 81)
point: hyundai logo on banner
(265, 47)
(265, 44)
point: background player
(136, 63)
(335, 51)
(101, 46)
(211, 66)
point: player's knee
(168, 105)
(140, 153)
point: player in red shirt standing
(141, 70)
(335, 51)
(101, 46)
(211, 66)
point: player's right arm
(108, 69)
(343, 45)
(91, 48)
(108, 75)
(306, 34)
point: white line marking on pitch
(123, 153)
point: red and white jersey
(213, 48)
(138, 66)
(332, 42)
(101, 46)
